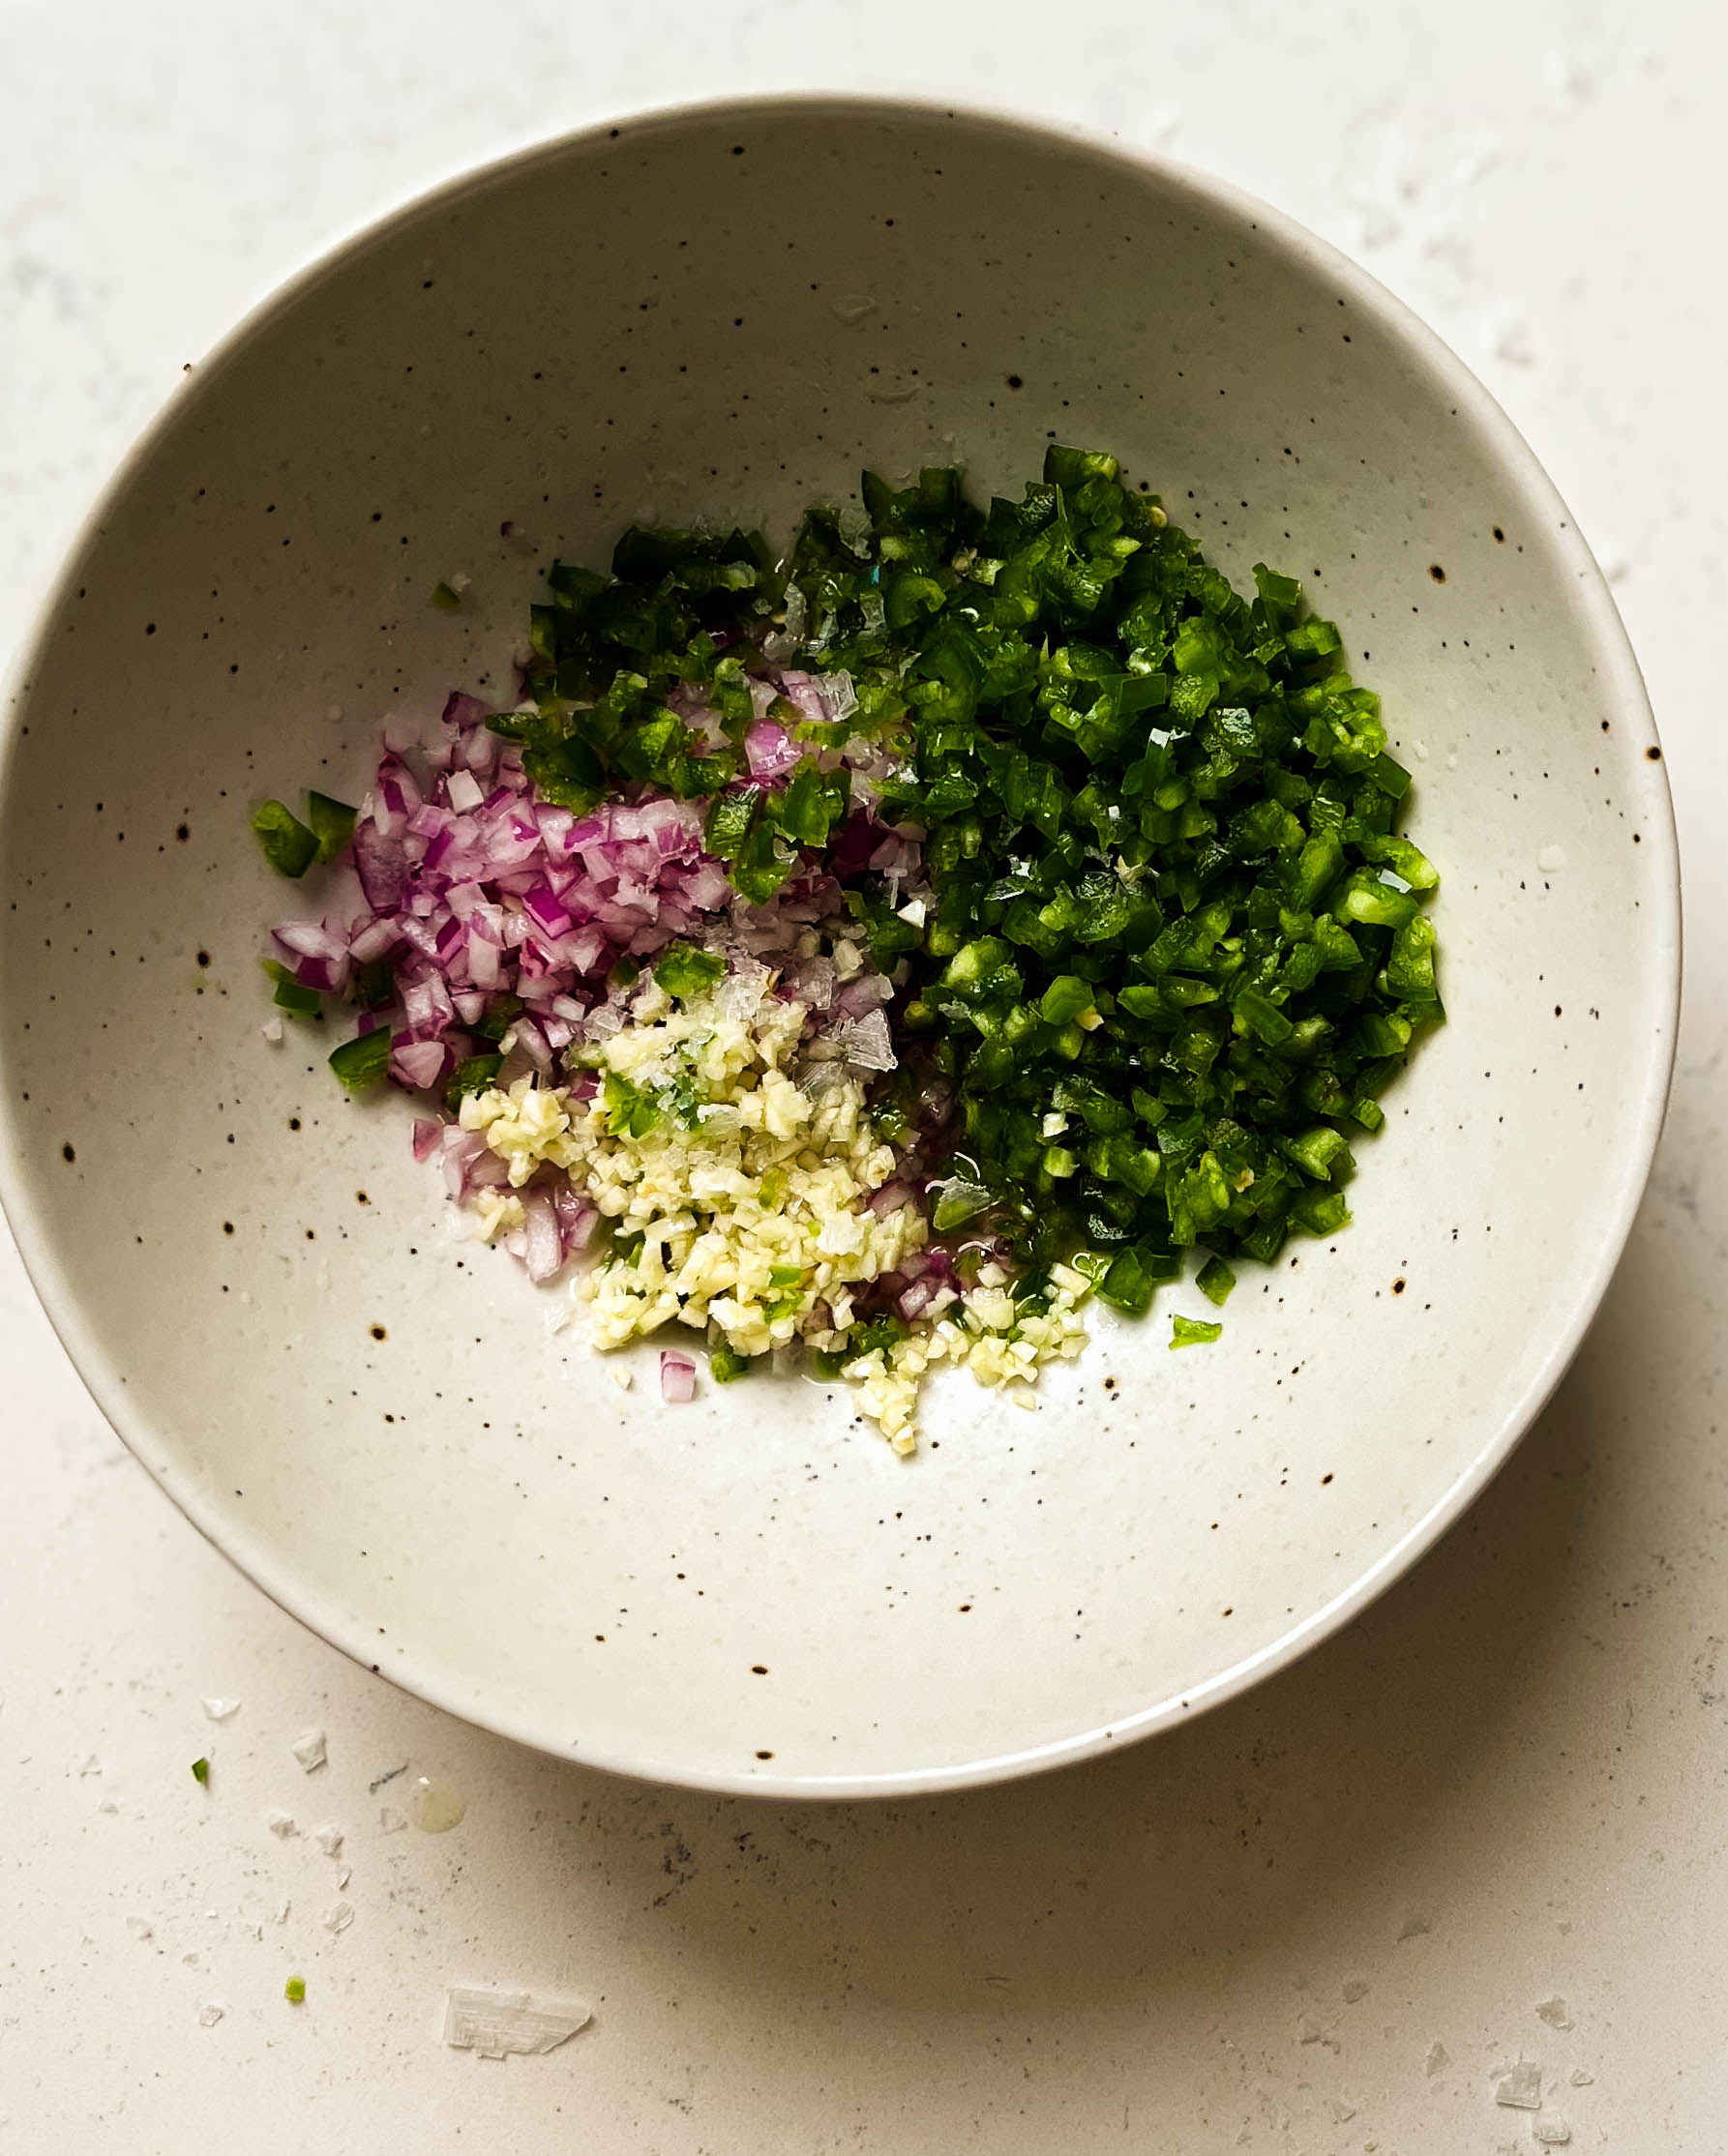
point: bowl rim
(1623, 687)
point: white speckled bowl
(751, 1592)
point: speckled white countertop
(1489, 1823)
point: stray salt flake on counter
(280, 1824)
(140, 1928)
(434, 1807)
(329, 1838)
(1357, 1988)
(337, 1916)
(271, 1029)
(1551, 858)
(1551, 2133)
(282, 1910)
(311, 1749)
(496, 2024)
(1438, 2060)
(209, 2015)
(1416, 1925)
(1553, 2011)
(1521, 2086)
(218, 1710)
(1582, 2080)
(390, 1822)
(1341, 2110)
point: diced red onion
(677, 1377)
(543, 1252)
(417, 1063)
(427, 1137)
(770, 749)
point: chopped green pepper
(364, 1061)
(290, 848)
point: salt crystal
(218, 1710)
(339, 1916)
(1439, 2059)
(189, 1961)
(1551, 2133)
(280, 1824)
(140, 1928)
(1521, 2086)
(271, 1029)
(496, 2024)
(282, 1910)
(209, 2015)
(329, 1838)
(1509, 339)
(852, 307)
(1553, 2011)
(91, 1765)
(1580, 2079)
(1551, 858)
(253, 1930)
(1356, 1989)
(311, 1750)
(108, 1805)
(1421, 749)
(342, 1877)
(1416, 1924)
(1340, 2110)
(389, 1822)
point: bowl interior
(721, 314)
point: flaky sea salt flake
(1521, 2086)
(496, 2024)
(280, 1824)
(218, 1710)
(1553, 2011)
(337, 1916)
(1550, 2131)
(311, 1749)
(1438, 2060)
(329, 1838)
(209, 2014)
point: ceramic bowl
(723, 311)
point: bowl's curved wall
(721, 313)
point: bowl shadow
(1324, 1794)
